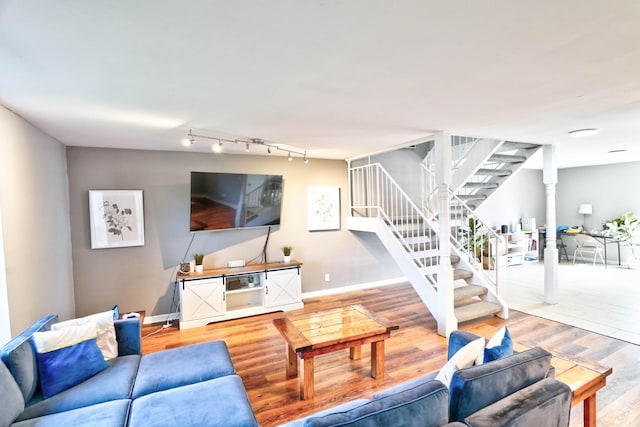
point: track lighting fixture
(217, 147)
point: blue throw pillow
(499, 346)
(67, 357)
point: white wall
(35, 223)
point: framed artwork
(116, 218)
(323, 208)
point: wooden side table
(142, 313)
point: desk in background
(603, 238)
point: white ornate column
(446, 319)
(550, 179)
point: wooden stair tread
(494, 172)
(505, 158)
(458, 274)
(481, 185)
(472, 196)
(470, 291)
(476, 310)
(513, 145)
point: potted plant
(198, 258)
(286, 251)
(624, 228)
(474, 238)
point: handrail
(472, 236)
(460, 147)
(374, 193)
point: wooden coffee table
(311, 334)
(584, 377)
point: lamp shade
(585, 209)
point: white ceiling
(339, 78)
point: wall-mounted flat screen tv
(222, 201)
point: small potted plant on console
(286, 250)
(198, 258)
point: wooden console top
(225, 271)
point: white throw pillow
(496, 339)
(464, 358)
(105, 331)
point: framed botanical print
(116, 218)
(323, 208)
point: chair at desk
(562, 247)
(586, 244)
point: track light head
(217, 145)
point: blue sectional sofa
(516, 390)
(194, 385)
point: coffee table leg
(292, 362)
(589, 408)
(354, 352)
(306, 379)
(377, 359)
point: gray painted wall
(35, 223)
(521, 196)
(141, 278)
(609, 188)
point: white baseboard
(360, 286)
(160, 318)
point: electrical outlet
(327, 277)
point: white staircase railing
(374, 193)
(460, 147)
(485, 250)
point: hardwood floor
(258, 353)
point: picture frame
(116, 218)
(323, 208)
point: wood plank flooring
(259, 355)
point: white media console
(229, 293)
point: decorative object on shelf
(116, 218)
(585, 209)
(323, 208)
(286, 251)
(185, 267)
(198, 258)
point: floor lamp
(585, 209)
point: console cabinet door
(282, 287)
(202, 299)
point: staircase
(411, 236)
(476, 185)
(379, 205)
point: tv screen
(221, 201)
